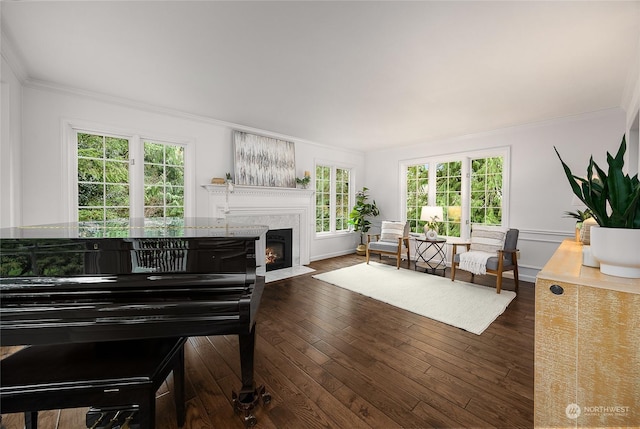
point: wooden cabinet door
(555, 354)
(608, 370)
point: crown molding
(13, 58)
(150, 108)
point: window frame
(332, 197)
(69, 161)
(466, 157)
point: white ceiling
(361, 74)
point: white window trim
(332, 219)
(465, 157)
(69, 161)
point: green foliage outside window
(417, 195)
(332, 198)
(103, 177)
(104, 182)
(163, 180)
(449, 196)
(486, 187)
(486, 191)
(323, 198)
(342, 199)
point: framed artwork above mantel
(263, 161)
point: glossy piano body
(120, 280)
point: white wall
(540, 192)
(10, 149)
(46, 109)
(631, 104)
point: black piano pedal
(245, 402)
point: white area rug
(460, 304)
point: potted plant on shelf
(580, 216)
(304, 181)
(614, 200)
(359, 214)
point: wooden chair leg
(499, 282)
(408, 256)
(515, 271)
(368, 255)
(453, 270)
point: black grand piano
(126, 280)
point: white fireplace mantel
(261, 191)
(273, 207)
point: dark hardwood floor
(334, 359)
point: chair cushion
(488, 238)
(492, 263)
(391, 231)
(384, 246)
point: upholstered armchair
(393, 240)
(492, 250)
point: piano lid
(138, 228)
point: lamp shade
(432, 214)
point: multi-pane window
(111, 185)
(449, 196)
(486, 191)
(323, 199)
(342, 199)
(471, 190)
(163, 180)
(417, 194)
(103, 177)
(333, 194)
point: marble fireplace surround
(275, 208)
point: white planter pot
(617, 250)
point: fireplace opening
(278, 252)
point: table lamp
(432, 215)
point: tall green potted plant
(358, 217)
(614, 200)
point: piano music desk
(117, 373)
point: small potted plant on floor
(358, 218)
(614, 200)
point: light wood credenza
(587, 345)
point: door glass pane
(323, 198)
(449, 196)
(486, 191)
(163, 180)
(417, 194)
(342, 199)
(103, 176)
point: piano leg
(178, 386)
(249, 396)
(31, 420)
